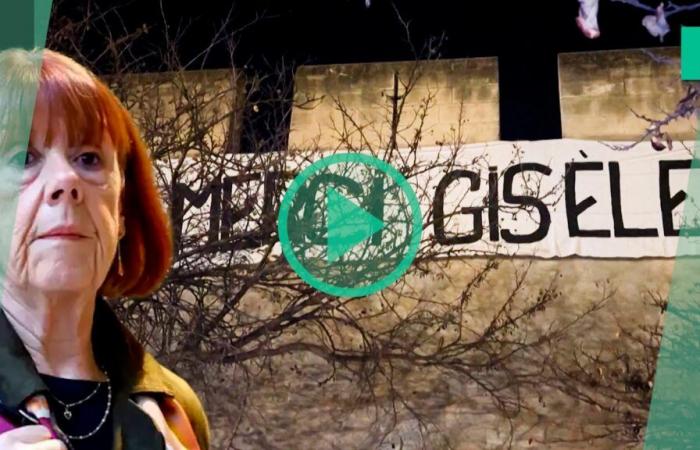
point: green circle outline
(298, 267)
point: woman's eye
(23, 159)
(90, 159)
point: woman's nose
(59, 193)
(63, 185)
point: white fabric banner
(583, 198)
(552, 198)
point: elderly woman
(89, 226)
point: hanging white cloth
(656, 24)
(587, 19)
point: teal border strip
(674, 416)
(23, 25)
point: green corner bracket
(24, 23)
(690, 53)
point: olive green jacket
(134, 429)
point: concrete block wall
(598, 92)
(365, 91)
(598, 89)
(156, 99)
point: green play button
(350, 224)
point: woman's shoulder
(176, 397)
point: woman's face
(68, 213)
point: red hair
(87, 109)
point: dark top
(85, 417)
(19, 380)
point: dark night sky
(525, 38)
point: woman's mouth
(62, 232)
(62, 236)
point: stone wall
(599, 91)
(302, 400)
(365, 91)
(166, 105)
